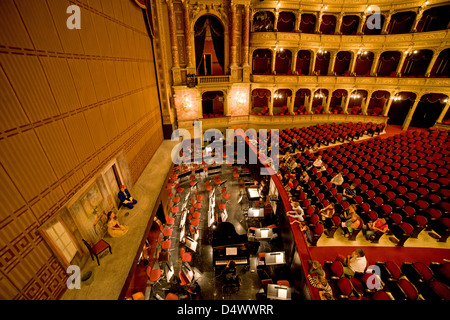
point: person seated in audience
(349, 193)
(318, 162)
(294, 144)
(304, 178)
(304, 229)
(280, 175)
(322, 168)
(351, 224)
(326, 214)
(356, 262)
(125, 198)
(314, 148)
(289, 185)
(287, 157)
(296, 192)
(297, 212)
(320, 282)
(291, 165)
(371, 227)
(115, 229)
(337, 180)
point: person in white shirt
(338, 179)
(318, 162)
(356, 262)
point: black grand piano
(228, 245)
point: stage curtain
(286, 22)
(217, 35)
(199, 39)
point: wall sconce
(187, 104)
(322, 51)
(355, 96)
(396, 98)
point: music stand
(278, 292)
(191, 244)
(263, 233)
(273, 258)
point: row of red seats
(410, 281)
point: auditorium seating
(411, 281)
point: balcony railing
(213, 79)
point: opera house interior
(224, 150)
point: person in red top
(374, 226)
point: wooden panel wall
(70, 101)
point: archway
(328, 24)
(388, 63)
(209, 45)
(349, 25)
(260, 102)
(434, 19)
(322, 62)
(307, 23)
(363, 64)
(300, 101)
(399, 108)
(377, 102)
(212, 104)
(262, 61)
(416, 63)
(303, 62)
(280, 101)
(401, 22)
(286, 22)
(441, 67)
(428, 110)
(337, 101)
(283, 62)
(342, 64)
(319, 100)
(263, 21)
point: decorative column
(233, 36)
(245, 44)
(298, 21)
(318, 22)
(271, 102)
(310, 101)
(275, 22)
(353, 63)
(274, 57)
(187, 36)
(388, 106)
(294, 61)
(432, 62)
(347, 100)
(400, 64)
(328, 102)
(362, 22)
(332, 62)
(313, 62)
(411, 113)
(376, 59)
(173, 35)
(387, 20)
(444, 111)
(365, 102)
(417, 19)
(290, 102)
(337, 29)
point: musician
(125, 198)
(230, 274)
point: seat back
(89, 247)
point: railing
(213, 79)
(352, 81)
(276, 121)
(421, 40)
